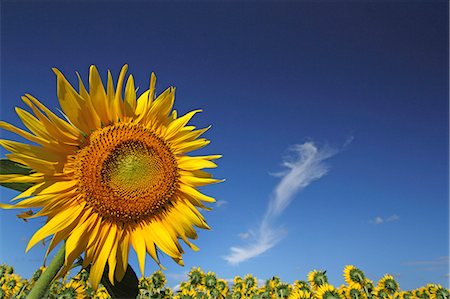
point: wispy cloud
(246, 235)
(440, 261)
(220, 203)
(381, 220)
(301, 168)
(433, 265)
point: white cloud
(301, 169)
(433, 265)
(220, 203)
(381, 220)
(440, 261)
(246, 235)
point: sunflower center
(126, 172)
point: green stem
(43, 283)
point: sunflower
(12, 284)
(438, 292)
(327, 291)
(283, 290)
(210, 280)
(406, 295)
(112, 174)
(300, 294)
(101, 293)
(74, 289)
(238, 284)
(301, 285)
(222, 286)
(196, 277)
(382, 293)
(158, 280)
(388, 283)
(354, 291)
(249, 283)
(353, 275)
(317, 278)
(188, 293)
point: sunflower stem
(43, 283)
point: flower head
(113, 173)
(317, 278)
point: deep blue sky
(269, 76)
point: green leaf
(128, 287)
(10, 167)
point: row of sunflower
(201, 285)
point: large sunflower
(112, 173)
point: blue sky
(332, 119)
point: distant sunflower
(301, 285)
(353, 275)
(210, 280)
(300, 294)
(317, 278)
(354, 291)
(74, 289)
(12, 284)
(101, 293)
(388, 283)
(438, 292)
(114, 173)
(327, 291)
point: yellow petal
(98, 265)
(62, 125)
(137, 240)
(71, 102)
(112, 258)
(19, 178)
(60, 221)
(122, 254)
(190, 146)
(23, 133)
(130, 97)
(195, 193)
(98, 96)
(179, 123)
(196, 163)
(77, 241)
(61, 136)
(118, 104)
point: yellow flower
(388, 283)
(406, 295)
(12, 284)
(196, 277)
(438, 292)
(317, 278)
(354, 291)
(353, 275)
(115, 174)
(210, 280)
(250, 283)
(74, 289)
(327, 291)
(101, 293)
(222, 286)
(300, 294)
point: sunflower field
(201, 285)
